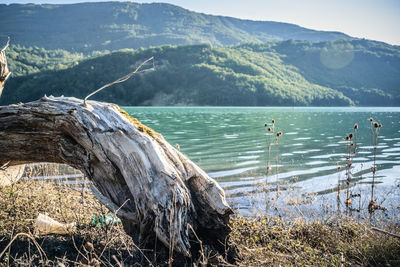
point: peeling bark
(4, 72)
(127, 162)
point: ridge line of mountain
(118, 25)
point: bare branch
(385, 232)
(122, 79)
(5, 47)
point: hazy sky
(371, 19)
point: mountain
(208, 60)
(88, 27)
(333, 73)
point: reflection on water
(230, 144)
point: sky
(370, 19)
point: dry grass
(20, 205)
(261, 241)
(272, 242)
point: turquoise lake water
(231, 145)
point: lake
(306, 165)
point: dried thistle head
(273, 121)
(279, 133)
(376, 125)
(265, 124)
(347, 138)
(350, 136)
(356, 126)
(380, 125)
(371, 119)
(269, 129)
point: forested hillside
(29, 60)
(366, 71)
(279, 73)
(88, 27)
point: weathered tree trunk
(4, 72)
(127, 162)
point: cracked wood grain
(166, 192)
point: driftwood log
(157, 192)
(4, 72)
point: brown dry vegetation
(261, 241)
(268, 241)
(20, 205)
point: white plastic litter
(10, 175)
(45, 225)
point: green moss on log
(141, 127)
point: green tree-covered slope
(28, 60)
(280, 73)
(342, 72)
(87, 27)
(366, 71)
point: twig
(106, 245)
(75, 263)
(5, 166)
(201, 245)
(114, 237)
(172, 233)
(117, 261)
(122, 79)
(110, 205)
(5, 47)
(141, 252)
(79, 252)
(40, 250)
(385, 232)
(123, 204)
